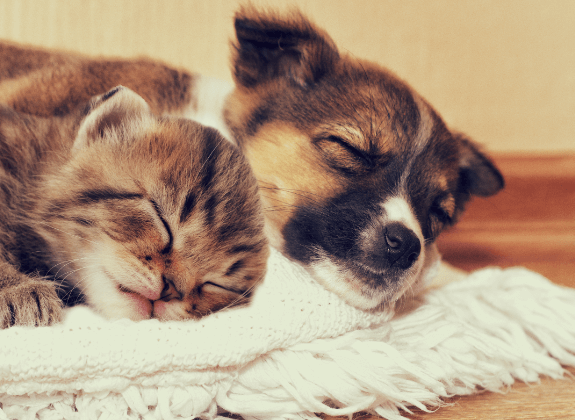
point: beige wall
(501, 70)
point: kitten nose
(403, 246)
(169, 291)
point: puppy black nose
(391, 246)
(403, 246)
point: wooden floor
(531, 224)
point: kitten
(144, 216)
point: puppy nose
(403, 246)
(391, 246)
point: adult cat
(143, 216)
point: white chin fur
(102, 295)
(354, 291)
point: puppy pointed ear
(109, 114)
(477, 173)
(270, 47)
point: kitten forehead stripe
(210, 209)
(93, 196)
(208, 174)
(159, 212)
(189, 204)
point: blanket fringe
(456, 343)
(135, 403)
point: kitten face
(153, 217)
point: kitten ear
(108, 113)
(270, 47)
(477, 173)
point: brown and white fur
(358, 173)
(141, 216)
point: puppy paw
(31, 303)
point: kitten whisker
(244, 296)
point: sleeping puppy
(358, 173)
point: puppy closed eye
(441, 214)
(341, 155)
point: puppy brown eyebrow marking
(259, 117)
(93, 196)
(189, 204)
(447, 204)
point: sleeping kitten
(145, 216)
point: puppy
(357, 172)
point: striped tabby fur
(140, 216)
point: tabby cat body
(143, 216)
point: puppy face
(359, 175)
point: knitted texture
(296, 350)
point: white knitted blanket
(297, 350)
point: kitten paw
(33, 303)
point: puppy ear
(477, 173)
(270, 47)
(109, 114)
